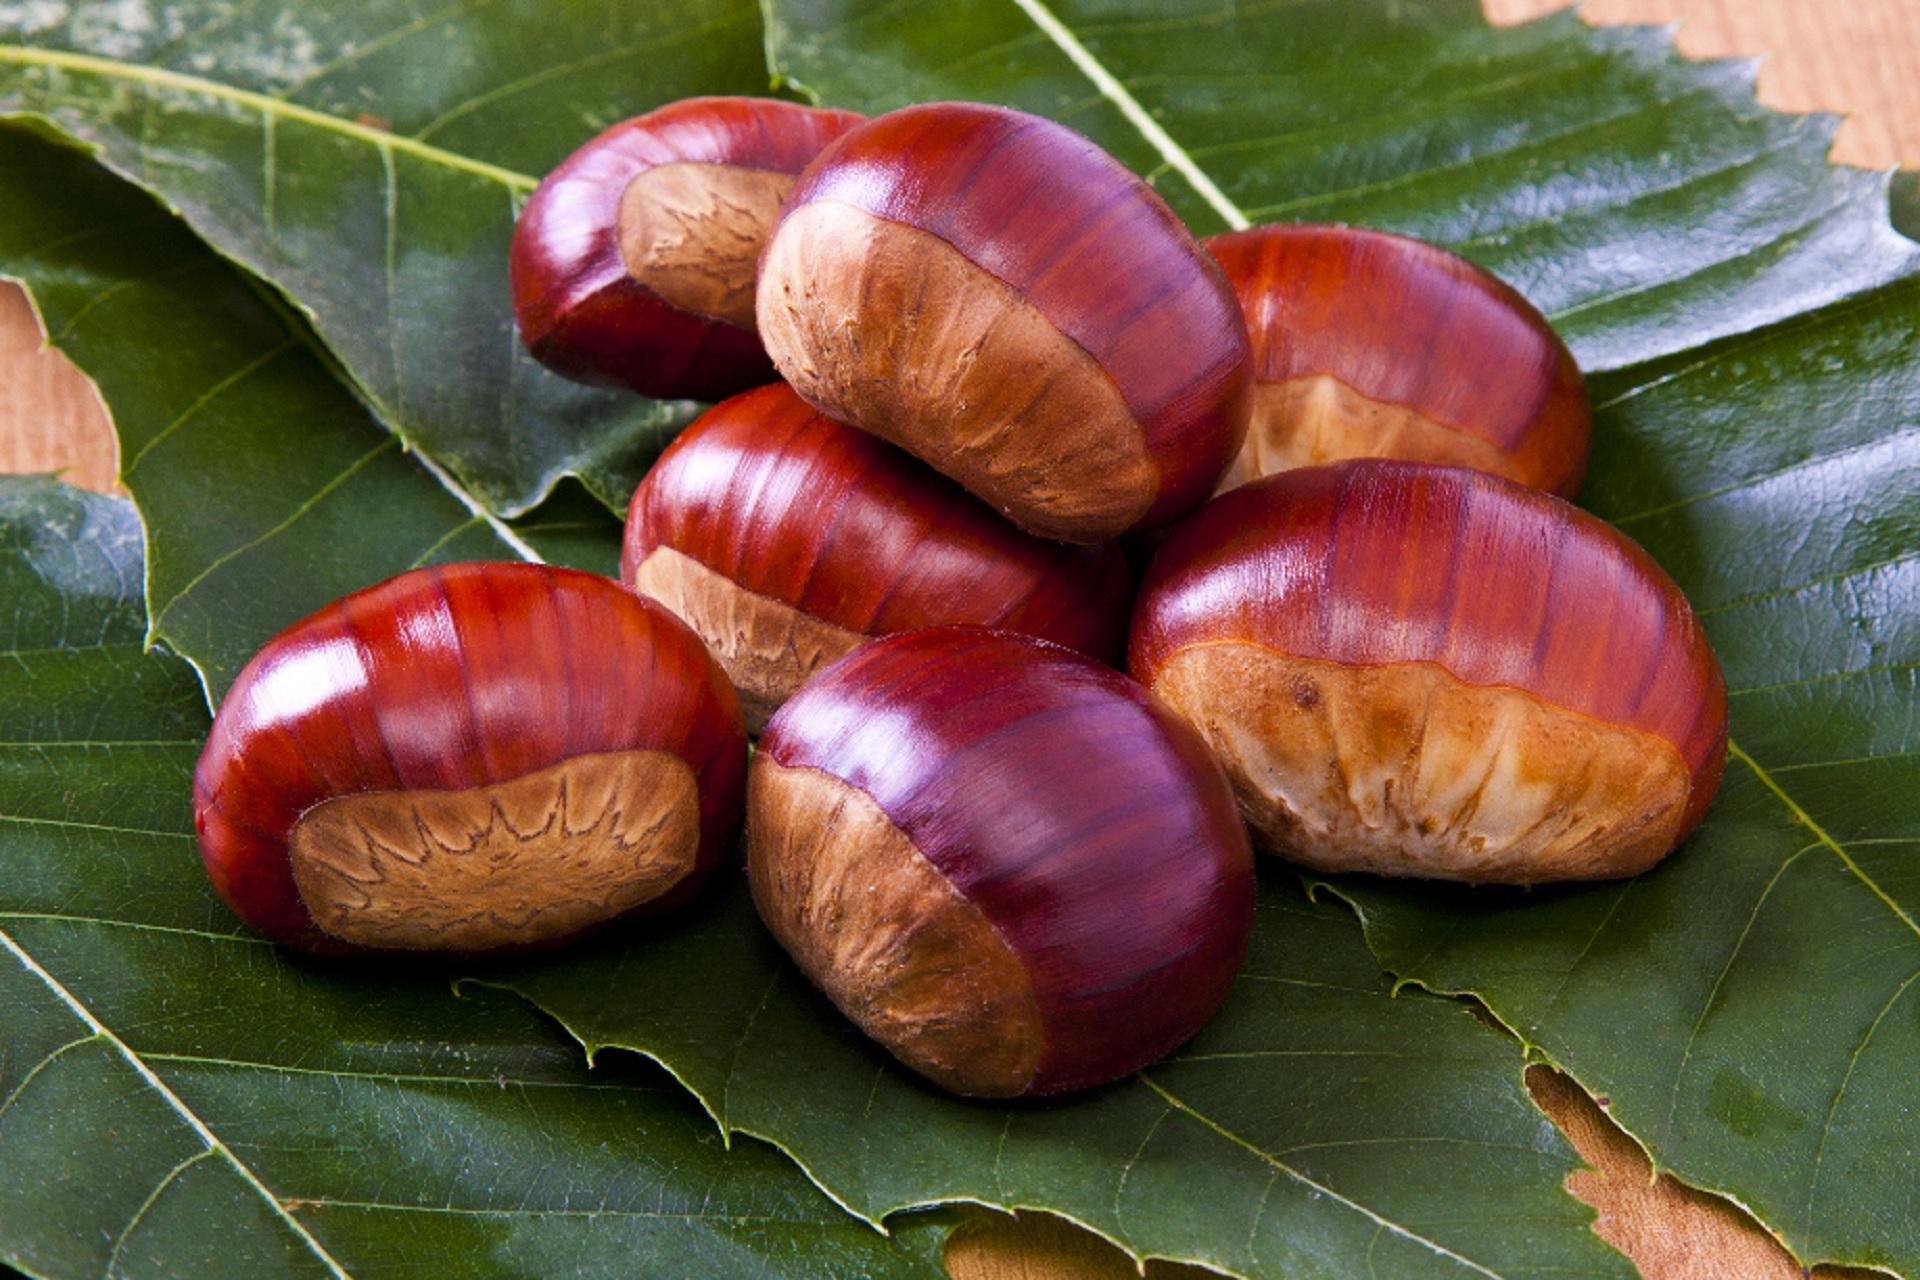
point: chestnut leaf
(1747, 1008)
(178, 1098)
(1752, 1007)
(368, 160)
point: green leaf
(573, 528)
(1318, 1127)
(268, 488)
(369, 159)
(1751, 1008)
(1906, 203)
(1753, 316)
(180, 1099)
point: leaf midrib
(1821, 835)
(1175, 1103)
(1182, 162)
(266, 105)
(1110, 87)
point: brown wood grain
(51, 418)
(1856, 56)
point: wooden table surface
(1861, 57)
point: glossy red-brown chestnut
(632, 263)
(996, 294)
(786, 540)
(1007, 863)
(1370, 345)
(1430, 671)
(467, 758)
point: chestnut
(1369, 345)
(632, 263)
(1418, 670)
(1007, 863)
(467, 758)
(997, 295)
(786, 540)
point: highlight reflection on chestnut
(1431, 671)
(786, 539)
(466, 758)
(1007, 863)
(997, 295)
(633, 262)
(1372, 345)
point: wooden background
(1861, 57)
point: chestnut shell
(1370, 344)
(1519, 627)
(580, 309)
(447, 679)
(959, 218)
(1089, 826)
(797, 514)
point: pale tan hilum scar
(891, 329)
(692, 233)
(539, 856)
(1316, 419)
(1405, 770)
(885, 935)
(768, 648)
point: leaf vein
(171, 1099)
(207, 397)
(1406, 1233)
(159, 77)
(291, 519)
(1833, 1109)
(1136, 115)
(1713, 992)
(120, 1240)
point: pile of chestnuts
(1004, 805)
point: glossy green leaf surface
(1752, 1007)
(369, 159)
(1318, 1127)
(180, 1099)
(1647, 204)
(1755, 330)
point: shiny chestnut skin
(1430, 671)
(1007, 863)
(469, 758)
(1000, 297)
(1367, 344)
(786, 540)
(632, 263)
